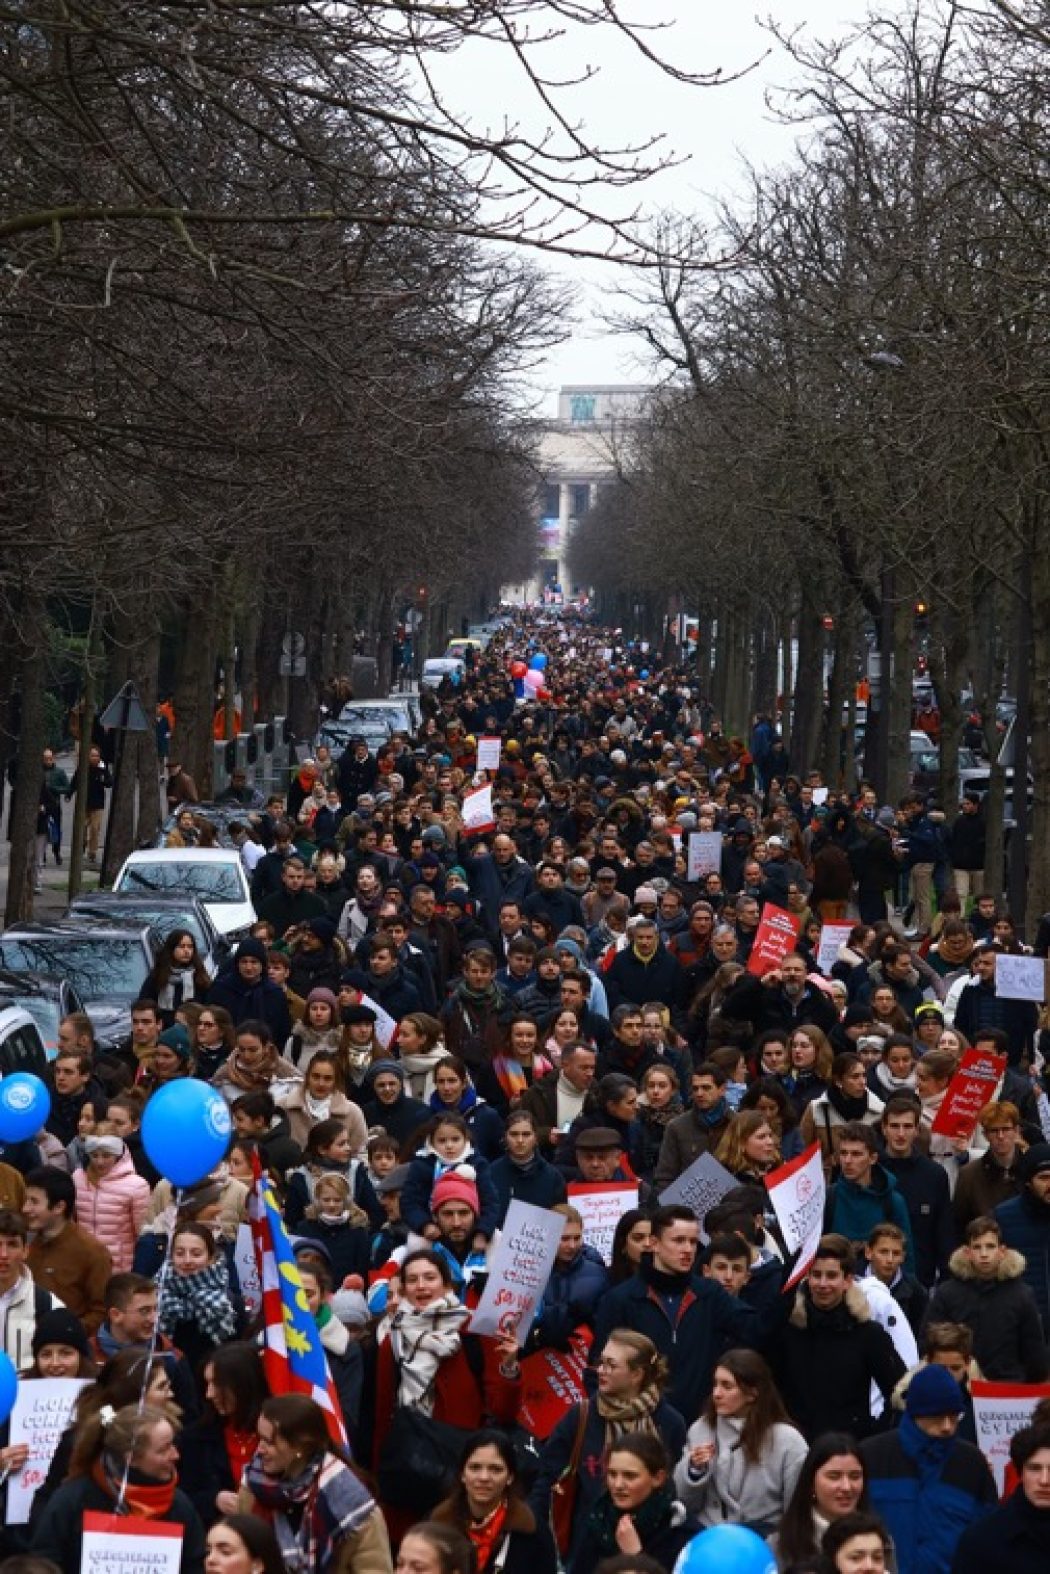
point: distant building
(577, 452)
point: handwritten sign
(601, 1207)
(552, 1382)
(705, 854)
(477, 811)
(247, 1266)
(832, 938)
(999, 1411)
(489, 751)
(1020, 978)
(797, 1191)
(113, 1544)
(700, 1187)
(43, 1409)
(518, 1272)
(972, 1087)
(775, 938)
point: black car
(46, 997)
(161, 912)
(106, 963)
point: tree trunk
(949, 649)
(147, 765)
(897, 693)
(788, 685)
(31, 739)
(839, 685)
(764, 692)
(808, 704)
(89, 703)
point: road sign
(294, 646)
(292, 666)
(125, 712)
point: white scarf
(570, 1102)
(420, 1341)
(177, 990)
(317, 1109)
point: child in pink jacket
(112, 1198)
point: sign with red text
(601, 1205)
(477, 811)
(117, 1543)
(42, 1410)
(552, 1382)
(775, 938)
(797, 1191)
(705, 854)
(519, 1268)
(489, 750)
(832, 938)
(972, 1087)
(999, 1411)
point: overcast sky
(717, 127)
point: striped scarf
(327, 1503)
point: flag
(293, 1356)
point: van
(21, 1047)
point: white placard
(832, 938)
(601, 1206)
(820, 796)
(999, 1411)
(797, 1191)
(700, 1187)
(705, 854)
(477, 811)
(42, 1411)
(489, 751)
(115, 1544)
(386, 1027)
(518, 1271)
(244, 1260)
(1020, 977)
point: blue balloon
(186, 1130)
(8, 1386)
(644, 673)
(726, 1549)
(539, 663)
(25, 1105)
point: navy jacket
(927, 1491)
(419, 1183)
(1015, 1537)
(571, 1297)
(923, 1184)
(540, 1183)
(1025, 1223)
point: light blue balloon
(644, 673)
(539, 663)
(186, 1130)
(726, 1549)
(8, 1386)
(25, 1105)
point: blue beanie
(933, 1391)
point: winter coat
(1002, 1314)
(115, 1210)
(302, 1182)
(300, 1122)
(685, 1139)
(820, 1119)
(396, 992)
(923, 1185)
(664, 1546)
(263, 1001)
(59, 1533)
(348, 1246)
(980, 1007)
(825, 1363)
(420, 1180)
(1025, 1223)
(492, 883)
(538, 1183)
(630, 981)
(570, 1298)
(483, 1124)
(853, 1211)
(469, 1389)
(1014, 1536)
(749, 1000)
(733, 1488)
(982, 1186)
(927, 1492)
(530, 1546)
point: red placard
(552, 1382)
(972, 1087)
(775, 938)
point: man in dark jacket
(645, 970)
(986, 1291)
(576, 1285)
(979, 1006)
(875, 863)
(551, 900)
(1015, 1536)
(927, 1485)
(923, 1184)
(832, 1351)
(865, 1193)
(385, 981)
(248, 995)
(699, 1130)
(966, 846)
(496, 877)
(292, 905)
(1025, 1223)
(780, 998)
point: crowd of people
(433, 1018)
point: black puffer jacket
(1007, 1333)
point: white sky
(717, 127)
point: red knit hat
(456, 1185)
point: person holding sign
(135, 1467)
(981, 1006)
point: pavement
(52, 899)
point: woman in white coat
(742, 1457)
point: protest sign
(700, 1187)
(552, 1382)
(601, 1205)
(820, 796)
(477, 811)
(115, 1543)
(1020, 978)
(705, 854)
(489, 750)
(832, 938)
(42, 1410)
(518, 1271)
(386, 1027)
(797, 1192)
(775, 938)
(247, 1266)
(972, 1087)
(1000, 1410)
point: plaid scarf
(202, 1298)
(419, 1341)
(327, 1502)
(634, 1414)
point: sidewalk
(53, 899)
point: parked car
(21, 1047)
(214, 874)
(438, 668)
(162, 913)
(374, 720)
(220, 816)
(106, 963)
(45, 997)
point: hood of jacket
(1011, 1266)
(853, 1307)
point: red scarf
(486, 1536)
(144, 1500)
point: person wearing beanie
(248, 994)
(387, 1105)
(169, 1061)
(317, 957)
(59, 1336)
(320, 1028)
(927, 1484)
(62, 1257)
(1025, 1223)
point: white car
(439, 667)
(215, 874)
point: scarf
(249, 1081)
(629, 1414)
(326, 1502)
(317, 1109)
(661, 1117)
(179, 988)
(712, 1117)
(202, 1298)
(420, 1341)
(849, 1109)
(464, 1107)
(485, 1535)
(510, 1076)
(144, 1498)
(654, 1515)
